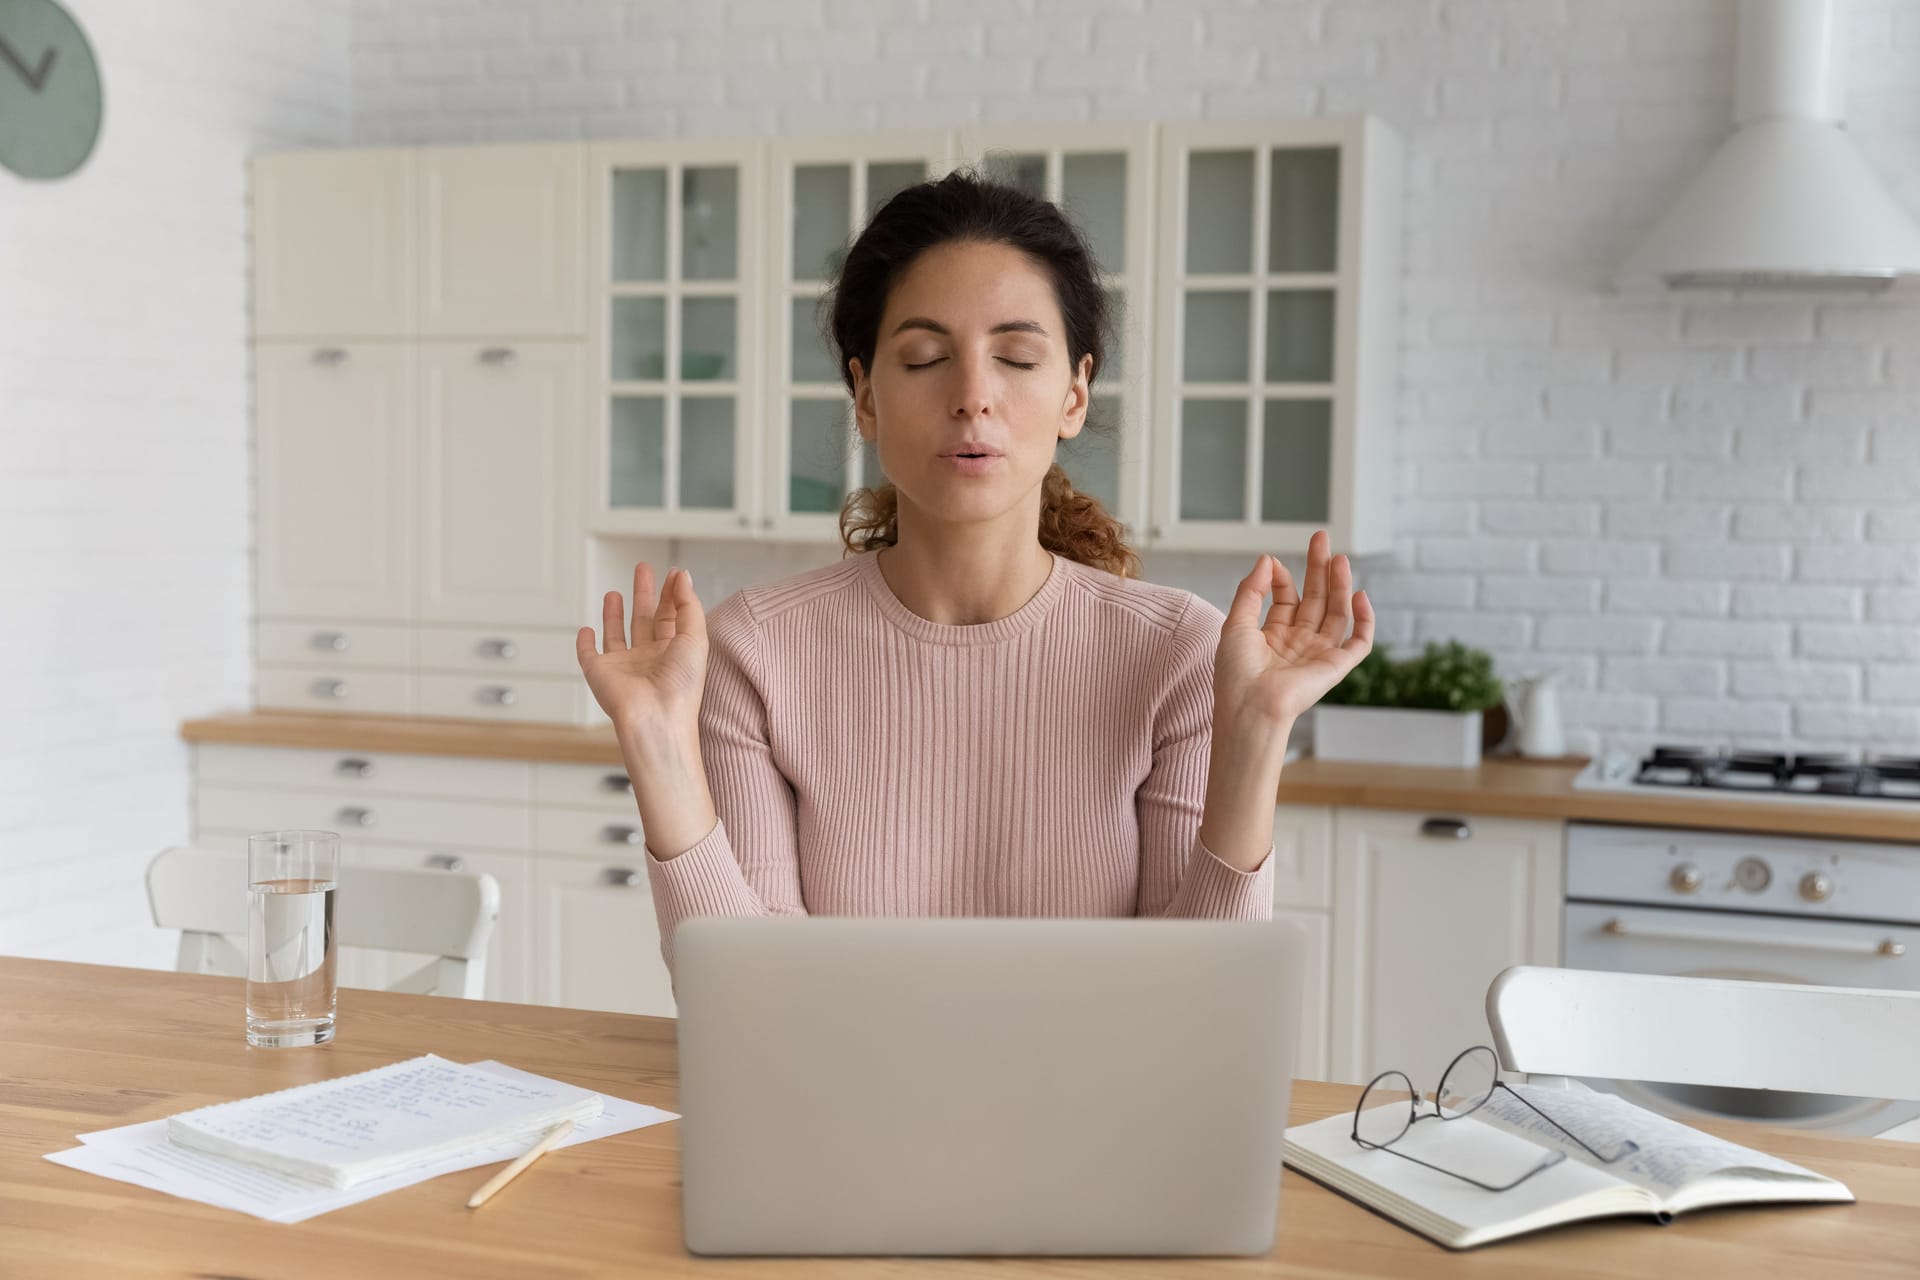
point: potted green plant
(1422, 710)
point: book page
(1671, 1155)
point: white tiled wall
(124, 508)
(1704, 512)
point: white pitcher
(1534, 705)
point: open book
(1676, 1168)
(346, 1130)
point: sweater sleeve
(1179, 876)
(748, 865)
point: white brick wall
(124, 460)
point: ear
(1073, 413)
(863, 415)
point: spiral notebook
(343, 1131)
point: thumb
(1245, 609)
(690, 619)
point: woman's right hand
(655, 682)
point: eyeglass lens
(1386, 1109)
(1467, 1084)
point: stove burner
(1815, 773)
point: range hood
(1787, 201)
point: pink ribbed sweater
(866, 761)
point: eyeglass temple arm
(1627, 1145)
(1548, 1161)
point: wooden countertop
(86, 1047)
(1496, 788)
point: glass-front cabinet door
(1275, 342)
(1102, 176)
(675, 250)
(821, 193)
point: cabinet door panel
(1310, 1052)
(502, 536)
(1422, 925)
(501, 241)
(597, 941)
(334, 479)
(332, 244)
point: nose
(972, 390)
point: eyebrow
(934, 326)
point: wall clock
(50, 100)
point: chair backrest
(446, 916)
(1855, 1042)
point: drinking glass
(291, 877)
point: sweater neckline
(1020, 621)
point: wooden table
(85, 1047)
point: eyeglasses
(1390, 1106)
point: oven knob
(1816, 886)
(1753, 875)
(1686, 878)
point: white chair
(445, 915)
(1851, 1041)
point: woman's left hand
(1271, 673)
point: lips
(972, 449)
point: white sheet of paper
(141, 1154)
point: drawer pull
(505, 649)
(1449, 828)
(329, 687)
(330, 355)
(445, 862)
(621, 835)
(353, 767)
(331, 641)
(624, 877)
(498, 694)
(356, 817)
(498, 355)
(616, 782)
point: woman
(983, 713)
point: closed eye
(928, 364)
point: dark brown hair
(965, 208)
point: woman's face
(971, 358)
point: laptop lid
(984, 1085)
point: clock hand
(36, 78)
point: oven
(1716, 904)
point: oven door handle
(1618, 927)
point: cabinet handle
(331, 641)
(498, 694)
(354, 768)
(330, 356)
(766, 522)
(329, 688)
(1156, 532)
(1892, 949)
(746, 522)
(621, 835)
(499, 648)
(624, 877)
(356, 817)
(1451, 828)
(445, 862)
(498, 355)
(616, 782)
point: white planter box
(1396, 735)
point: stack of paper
(142, 1154)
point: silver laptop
(984, 1086)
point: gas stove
(1818, 778)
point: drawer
(361, 819)
(541, 699)
(589, 834)
(605, 788)
(503, 651)
(335, 689)
(351, 774)
(333, 644)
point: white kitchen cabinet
(1310, 1052)
(1275, 337)
(502, 537)
(598, 941)
(1103, 176)
(500, 241)
(333, 243)
(1427, 909)
(675, 237)
(333, 467)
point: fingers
(612, 624)
(584, 646)
(1339, 600)
(1313, 593)
(643, 601)
(1245, 609)
(1360, 642)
